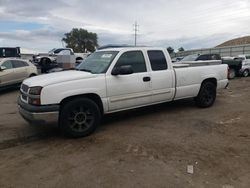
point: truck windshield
(98, 62)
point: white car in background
(13, 71)
(245, 69)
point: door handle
(146, 79)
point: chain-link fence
(223, 51)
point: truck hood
(58, 77)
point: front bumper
(38, 114)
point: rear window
(18, 63)
(192, 57)
(157, 60)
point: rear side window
(133, 58)
(247, 57)
(18, 63)
(157, 60)
(7, 64)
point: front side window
(133, 58)
(7, 64)
(157, 60)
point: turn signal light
(34, 101)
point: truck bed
(196, 63)
(189, 78)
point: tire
(207, 95)
(45, 63)
(232, 74)
(245, 73)
(32, 75)
(79, 117)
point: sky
(38, 26)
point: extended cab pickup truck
(112, 80)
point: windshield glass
(192, 57)
(98, 62)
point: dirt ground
(148, 147)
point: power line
(136, 29)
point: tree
(170, 50)
(181, 49)
(80, 40)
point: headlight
(34, 95)
(35, 90)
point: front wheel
(207, 95)
(245, 73)
(79, 117)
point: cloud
(192, 24)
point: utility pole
(136, 29)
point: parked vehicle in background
(201, 57)
(234, 64)
(201, 60)
(191, 57)
(176, 59)
(13, 71)
(245, 69)
(112, 80)
(6, 52)
(48, 61)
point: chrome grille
(24, 93)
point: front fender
(55, 93)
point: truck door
(132, 90)
(163, 80)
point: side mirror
(122, 70)
(2, 68)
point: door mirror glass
(2, 68)
(122, 70)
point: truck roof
(132, 47)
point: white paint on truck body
(123, 92)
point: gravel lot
(148, 147)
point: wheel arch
(92, 96)
(79, 58)
(47, 58)
(212, 80)
(32, 74)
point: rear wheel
(232, 74)
(207, 95)
(79, 117)
(245, 73)
(45, 64)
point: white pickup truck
(112, 80)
